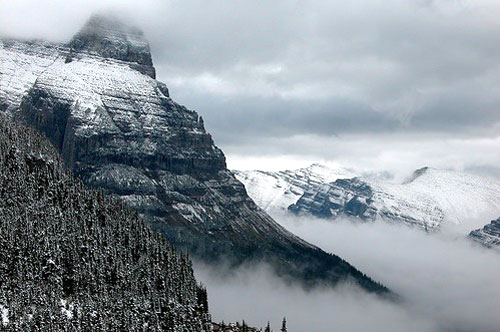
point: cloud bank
(448, 284)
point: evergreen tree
(283, 325)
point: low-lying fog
(448, 283)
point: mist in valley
(446, 282)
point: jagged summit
(110, 37)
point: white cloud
(447, 284)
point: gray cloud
(247, 117)
(325, 69)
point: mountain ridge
(489, 235)
(275, 191)
(429, 199)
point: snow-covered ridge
(275, 191)
(21, 63)
(489, 235)
(463, 198)
(429, 198)
(105, 95)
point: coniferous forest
(74, 259)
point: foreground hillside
(96, 98)
(73, 259)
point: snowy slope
(442, 196)
(21, 63)
(431, 199)
(275, 191)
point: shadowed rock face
(351, 197)
(489, 235)
(119, 130)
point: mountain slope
(118, 129)
(489, 235)
(430, 199)
(75, 260)
(276, 191)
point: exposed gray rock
(109, 37)
(276, 191)
(350, 197)
(119, 130)
(489, 235)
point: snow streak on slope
(275, 191)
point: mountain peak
(313, 165)
(111, 37)
(417, 173)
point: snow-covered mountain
(276, 191)
(489, 235)
(96, 98)
(429, 198)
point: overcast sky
(381, 85)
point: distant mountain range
(430, 198)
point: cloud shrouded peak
(110, 37)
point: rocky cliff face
(349, 197)
(276, 191)
(489, 235)
(108, 37)
(118, 129)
